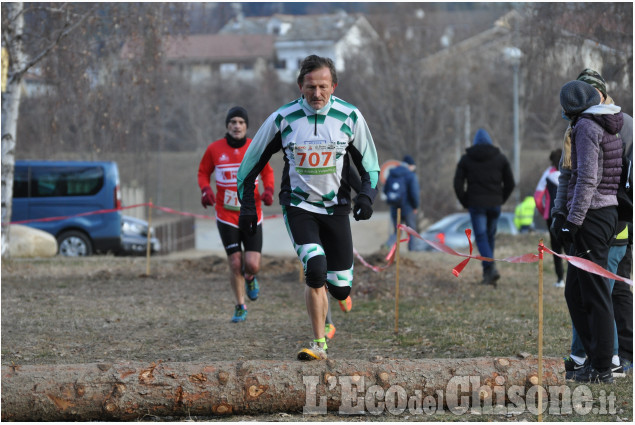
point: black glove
(363, 208)
(556, 225)
(568, 232)
(248, 223)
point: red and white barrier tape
(589, 266)
(390, 258)
(106, 211)
(34, 220)
(580, 263)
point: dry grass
(63, 311)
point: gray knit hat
(577, 96)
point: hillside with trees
(94, 104)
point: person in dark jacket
(595, 158)
(622, 296)
(408, 198)
(483, 181)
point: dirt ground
(106, 309)
(96, 309)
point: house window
(280, 64)
(228, 67)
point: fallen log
(131, 390)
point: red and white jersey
(223, 161)
(542, 195)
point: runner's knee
(339, 292)
(316, 271)
(339, 283)
(235, 262)
(252, 264)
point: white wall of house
(589, 56)
(351, 42)
(292, 52)
(200, 73)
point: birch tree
(13, 43)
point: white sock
(616, 360)
(578, 360)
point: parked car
(450, 230)
(134, 237)
(70, 189)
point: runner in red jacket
(222, 158)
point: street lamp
(513, 54)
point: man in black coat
(483, 182)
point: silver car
(450, 230)
(134, 237)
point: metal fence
(176, 234)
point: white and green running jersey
(316, 146)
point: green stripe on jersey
(295, 115)
(338, 115)
(300, 193)
(288, 130)
(346, 130)
(329, 196)
(320, 119)
(341, 102)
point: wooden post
(397, 271)
(540, 323)
(148, 238)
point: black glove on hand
(248, 223)
(567, 234)
(363, 208)
(556, 225)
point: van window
(66, 181)
(21, 182)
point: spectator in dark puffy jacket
(595, 162)
(483, 182)
(408, 200)
(622, 296)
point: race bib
(315, 157)
(231, 201)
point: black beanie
(237, 111)
(577, 96)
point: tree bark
(10, 110)
(131, 390)
(13, 41)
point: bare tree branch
(17, 75)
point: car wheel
(74, 244)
